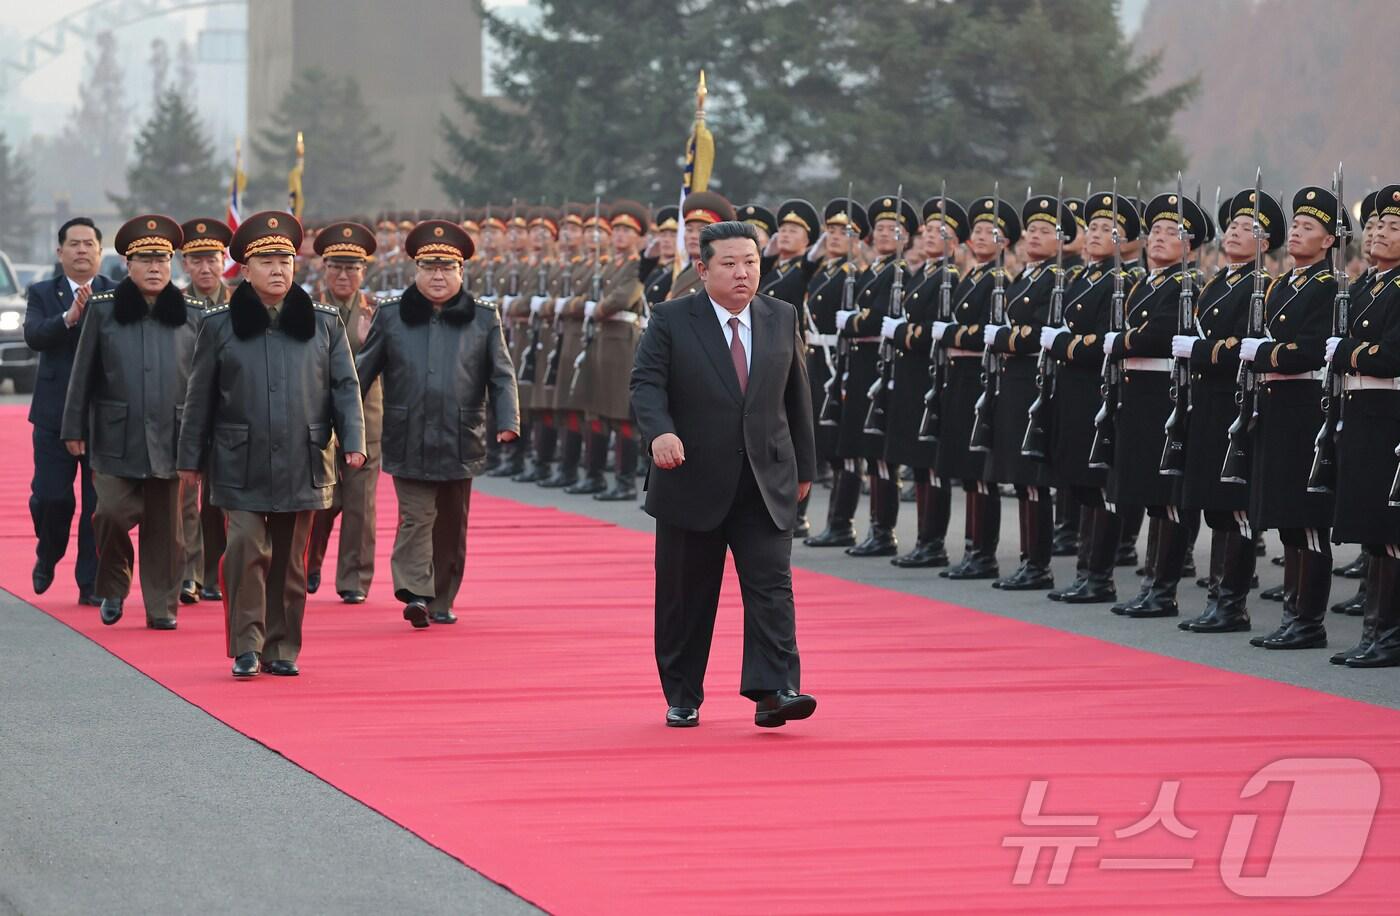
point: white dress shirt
(745, 330)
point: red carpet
(527, 742)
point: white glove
(990, 332)
(940, 328)
(589, 308)
(1332, 347)
(1049, 335)
(536, 302)
(818, 249)
(889, 327)
(559, 304)
(843, 318)
(1249, 347)
(1108, 340)
(1182, 345)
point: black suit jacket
(45, 334)
(683, 382)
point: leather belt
(1148, 364)
(960, 353)
(1369, 383)
(822, 340)
(863, 340)
(625, 317)
(1314, 376)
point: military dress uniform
(574, 274)
(271, 390)
(1144, 402)
(826, 361)
(355, 495)
(545, 277)
(439, 362)
(569, 395)
(204, 522)
(655, 275)
(1077, 348)
(125, 400)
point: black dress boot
(884, 515)
(1146, 570)
(1173, 539)
(1307, 629)
(933, 528)
(1356, 569)
(1038, 533)
(984, 531)
(1370, 616)
(1231, 613)
(802, 528)
(1067, 524)
(1211, 583)
(1154, 530)
(566, 475)
(840, 530)
(1384, 650)
(1085, 538)
(1130, 519)
(513, 455)
(624, 488)
(1290, 596)
(595, 459)
(1354, 606)
(546, 439)
(1106, 531)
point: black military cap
(631, 214)
(348, 241)
(956, 216)
(835, 214)
(1100, 206)
(148, 234)
(1270, 215)
(1320, 204)
(1076, 208)
(707, 207)
(800, 213)
(1210, 229)
(1139, 204)
(667, 219)
(884, 208)
(1388, 200)
(1044, 208)
(1010, 223)
(761, 217)
(1368, 207)
(1163, 207)
(1222, 215)
(438, 240)
(205, 233)
(268, 232)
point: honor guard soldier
(1222, 320)
(1289, 362)
(203, 253)
(1143, 351)
(1368, 510)
(125, 398)
(514, 307)
(846, 226)
(1045, 222)
(570, 393)
(273, 386)
(537, 336)
(701, 208)
(945, 228)
(441, 353)
(345, 249)
(654, 268)
(762, 219)
(1077, 348)
(894, 223)
(963, 337)
(1068, 512)
(575, 271)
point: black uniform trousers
(689, 572)
(51, 505)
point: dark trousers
(264, 581)
(430, 546)
(51, 505)
(689, 571)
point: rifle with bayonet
(879, 392)
(529, 360)
(1238, 454)
(590, 324)
(1105, 421)
(834, 391)
(1173, 461)
(1322, 477)
(931, 422)
(983, 434)
(1036, 442)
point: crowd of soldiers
(1078, 353)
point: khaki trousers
(213, 537)
(354, 502)
(430, 546)
(194, 535)
(122, 504)
(265, 582)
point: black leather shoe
(1277, 561)
(1188, 569)
(246, 665)
(43, 576)
(1065, 543)
(587, 486)
(682, 717)
(443, 617)
(783, 707)
(622, 491)
(211, 593)
(1122, 608)
(801, 529)
(560, 480)
(161, 623)
(1126, 556)
(533, 474)
(879, 542)
(1258, 641)
(111, 610)
(1154, 605)
(189, 592)
(1055, 594)
(832, 537)
(973, 566)
(313, 581)
(1300, 635)
(925, 554)
(1356, 569)
(88, 599)
(1091, 592)
(353, 597)
(282, 668)
(1354, 606)
(1223, 622)
(1383, 653)
(1272, 594)
(416, 613)
(1027, 578)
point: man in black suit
(720, 392)
(51, 325)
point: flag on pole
(699, 159)
(235, 195)
(294, 195)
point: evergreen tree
(16, 202)
(349, 167)
(94, 141)
(174, 170)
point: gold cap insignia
(1171, 199)
(200, 227)
(1311, 195)
(1107, 199)
(347, 232)
(150, 224)
(437, 231)
(1045, 205)
(888, 201)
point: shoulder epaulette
(103, 296)
(486, 304)
(216, 309)
(388, 300)
(191, 300)
(322, 307)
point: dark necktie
(736, 353)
